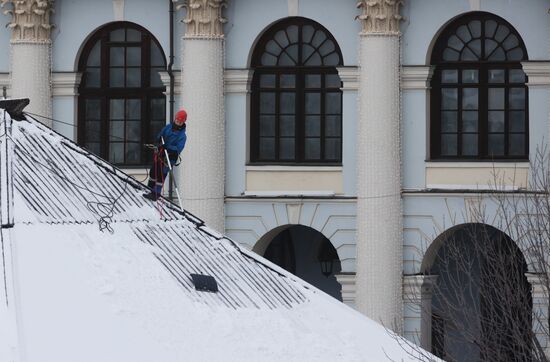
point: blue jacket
(174, 141)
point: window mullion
(483, 112)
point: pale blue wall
(4, 44)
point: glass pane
(288, 81)
(158, 108)
(116, 152)
(287, 126)
(133, 56)
(133, 77)
(307, 33)
(287, 103)
(281, 38)
(268, 59)
(333, 81)
(116, 57)
(470, 76)
(154, 130)
(133, 131)
(490, 27)
(333, 103)
(116, 109)
(133, 35)
(267, 148)
(292, 33)
(333, 126)
(92, 78)
(292, 52)
(331, 59)
(318, 38)
(133, 153)
(272, 47)
(93, 147)
(496, 98)
(469, 121)
(496, 121)
(307, 50)
(498, 55)
(133, 107)
(116, 77)
(515, 54)
(156, 80)
(455, 43)
(517, 144)
(267, 126)
(286, 148)
(496, 75)
(315, 59)
(450, 55)
(157, 60)
(94, 58)
(475, 28)
(448, 145)
(510, 42)
(468, 55)
(516, 76)
(313, 81)
(267, 102)
(333, 149)
(517, 121)
(449, 76)
(449, 98)
(313, 126)
(475, 46)
(469, 144)
(448, 121)
(326, 48)
(502, 32)
(117, 35)
(313, 149)
(469, 98)
(490, 46)
(267, 80)
(496, 145)
(313, 103)
(93, 109)
(464, 33)
(93, 131)
(516, 98)
(116, 131)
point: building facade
(341, 140)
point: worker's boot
(153, 196)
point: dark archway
(481, 305)
(307, 253)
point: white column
(31, 54)
(379, 225)
(201, 176)
(540, 297)
(417, 296)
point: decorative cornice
(30, 21)
(380, 17)
(65, 83)
(349, 77)
(204, 18)
(416, 77)
(165, 79)
(237, 80)
(538, 73)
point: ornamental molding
(538, 73)
(380, 17)
(349, 77)
(65, 83)
(204, 18)
(237, 80)
(31, 20)
(416, 77)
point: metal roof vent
(204, 283)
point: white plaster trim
(293, 6)
(65, 83)
(416, 77)
(288, 193)
(4, 82)
(349, 77)
(347, 281)
(473, 187)
(237, 80)
(538, 73)
(494, 165)
(118, 10)
(165, 79)
(276, 168)
(475, 5)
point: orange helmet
(180, 118)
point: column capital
(380, 17)
(204, 18)
(31, 20)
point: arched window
(121, 99)
(296, 96)
(479, 96)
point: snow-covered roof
(92, 271)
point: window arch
(479, 94)
(121, 102)
(296, 96)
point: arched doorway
(481, 304)
(306, 253)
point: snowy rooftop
(92, 271)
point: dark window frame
(483, 85)
(299, 72)
(145, 92)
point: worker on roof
(171, 141)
